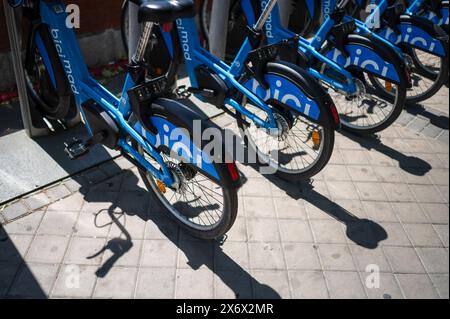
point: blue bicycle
(415, 30)
(284, 116)
(197, 187)
(347, 64)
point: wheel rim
(368, 109)
(294, 153)
(427, 69)
(199, 204)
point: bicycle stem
(265, 15)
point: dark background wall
(96, 16)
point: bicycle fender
(296, 89)
(420, 33)
(189, 145)
(370, 55)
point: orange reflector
(389, 86)
(161, 187)
(316, 138)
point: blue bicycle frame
(408, 34)
(85, 87)
(276, 33)
(417, 5)
(195, 55)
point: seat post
(143, 42)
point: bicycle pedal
(76, 149)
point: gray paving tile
(295, 231)
(118, 284)
(273, 284)
(133, 226)
(25, 226)
(442, 231)
(301, 257)
(336, 257)
(133, 203)
(364, 258)
(195, 254)
(435, 260)
(362, 173)
(396, 235)
(371, 192)
(409, 213)
(156, 283)
(14, 249)
(308, 285)
(257, 207)
(355, 157)
(73, 203)
(380, 212)
(233, 285)
(75, 282)
(437, 213)
(345, 285)
(37, 201)
(266, 256)
(423, 235)
(441, 283)
(238, 233)
(320, 209)
(98, 201)
(257, 187)
(342, 190)
(231, 256)
(426, 194)
(397, 257)
(122, 253)
(57, 192)
(159, 253)
(34, 281)
(58, 223)
(439, 176)
(389, 174)
(336, 173)
(47, 249)
(328, 232)
(160, 227)
(93, 225)
(15, 210)
(194, 284)
(388, 287)
(263, 230)
(398, 193)
(417, 286)
(288, 208)
(85, 251)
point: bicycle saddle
(163, 11)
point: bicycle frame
(195, 55)
(417, 5)
(85, 87)
(276, 33)
(408, 34)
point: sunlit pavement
(373, 224)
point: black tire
(157, 57)
(367, 79)
(427, 81)
(327, 128)
(54, 100)
(228, 188)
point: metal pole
(16, 54)
(219, 28)
(134, 28)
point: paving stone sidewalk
(381, 205)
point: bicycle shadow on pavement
(441, 121)
(198, 254)
(363, 232)
(16, 278)
(410, 164)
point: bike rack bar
(13, 18)
(219, 28)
